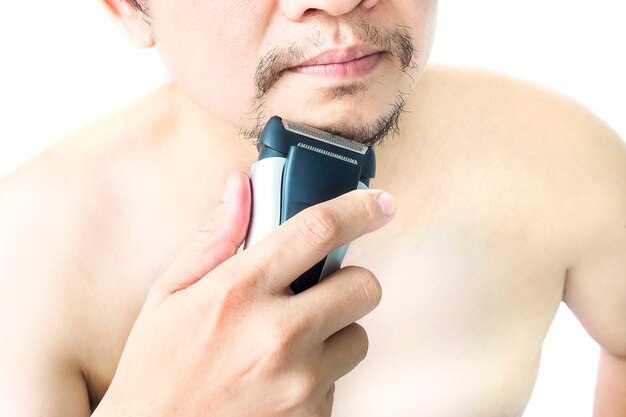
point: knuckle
(232, 285)
(282, 338)
(239, 276)
(361, 342)
(277, 342)
(369, 206)
(227, 302)
(204, 238)
(207, 230)
(370, 288)
(318, 226)
(233, 288)
(302, 387)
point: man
(509, 199)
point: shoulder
(572, 168)
(555, 144)
(54, 196)
(54, 206)
(65, 213)
(478, 96)
(56, 213)
(55, 210)
(40, 204)
(47, 207)
(40, 219)
(46, 203)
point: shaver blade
(328, 153)
(324, 136)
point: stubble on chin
(398, 42)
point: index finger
(306, 238)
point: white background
(64, 64)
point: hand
(222, 335)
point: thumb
(216, 241)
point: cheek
(421, 16)
(211, 50)
(429, 17)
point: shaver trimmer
(300, 166)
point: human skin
(254, 42)
(250, 346)
(499, 221)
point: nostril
(311, 10)
(297, 11)
(368, 4)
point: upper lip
(339, 55)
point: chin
(340, 121)
(364, 118)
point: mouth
(343, 70)
(344, 63)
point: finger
(216, 241)
(340, 299)
(305, 239)
(343, 351)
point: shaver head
(279, 135)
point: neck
(199, 133)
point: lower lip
(351, 69)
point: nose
(295, 9)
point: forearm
(610, 400)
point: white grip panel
(266, 176)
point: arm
(595, 288)
(611, 386)
(39, 371)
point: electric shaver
(300, 166)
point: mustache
(396, 40)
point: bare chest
(471, 279)
(458, 331)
